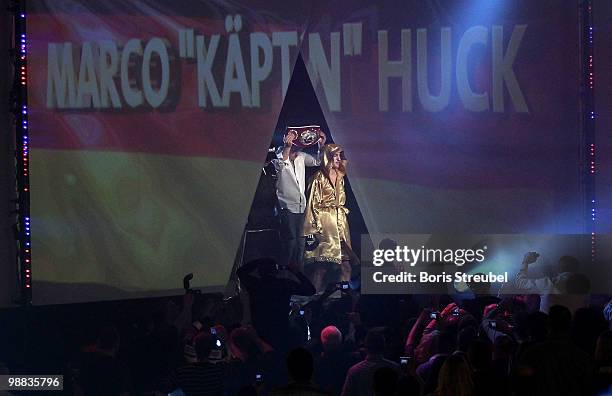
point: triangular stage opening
(261, 235)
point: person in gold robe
(325, 223)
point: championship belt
(307, 136)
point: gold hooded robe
(325, 215)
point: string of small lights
(589, 123)
(20, 92)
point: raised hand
(289, 138)
(530, 258)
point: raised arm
(288, 141)
(522, 280)
(309, 160)
(414, 337)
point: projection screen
(150, 121)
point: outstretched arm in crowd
(450, 314)
(493, 323)
(185, 318)
(414, 337)
(261, 345)
(522, 281)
